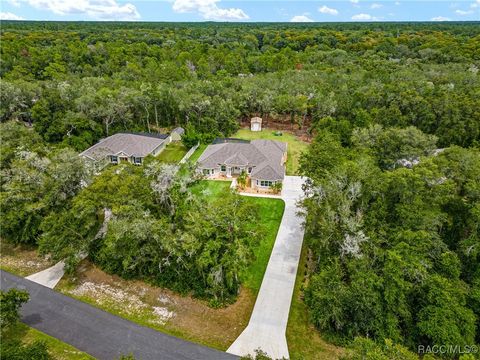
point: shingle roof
(230, 140)
(265, 156)
(130, 144)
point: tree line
(393, 226)
(78, 82)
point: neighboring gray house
(177, 134)
(125, 147)
(262, 160)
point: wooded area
(393, 221)
(78, 82)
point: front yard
(270, 214)
(160, 308)
(294, 150)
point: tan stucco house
(262, 160)
(125, 147)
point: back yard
(173, 153)
(295, 145)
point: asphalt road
(96, 332)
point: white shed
(256, 124)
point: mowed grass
(270, 212)
(56, 348)
(294, 149)
(270, 216)
(173, 153)
(197, 153)
(303, 339)
(211, 189)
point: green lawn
(212, 189)
(173, 153)
(271, 212)
(270, 216)
(201, 148)
(57, 349)
(294, 150)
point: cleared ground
(21, 260)
(99, 333)
(161, 309)
(182, 316)
(294, 150)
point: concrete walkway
(268, 322)
(50, 277)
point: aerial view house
(262, 160)
(125, 147)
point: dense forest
(395, 246)
(393, 111)
(78, 82)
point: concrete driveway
(268, 322)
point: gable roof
(264, 156)
(230, 140)
(130, 144)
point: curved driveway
(268, 323)
(96, 332)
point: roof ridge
(265, 166)
(220, 146)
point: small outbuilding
(256, 124)
(177, 134)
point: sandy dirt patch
(183, 316)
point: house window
(206, 171)
(250, 170)
(114, 159)
(137, 160)
(223, 168)
(266, 183)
